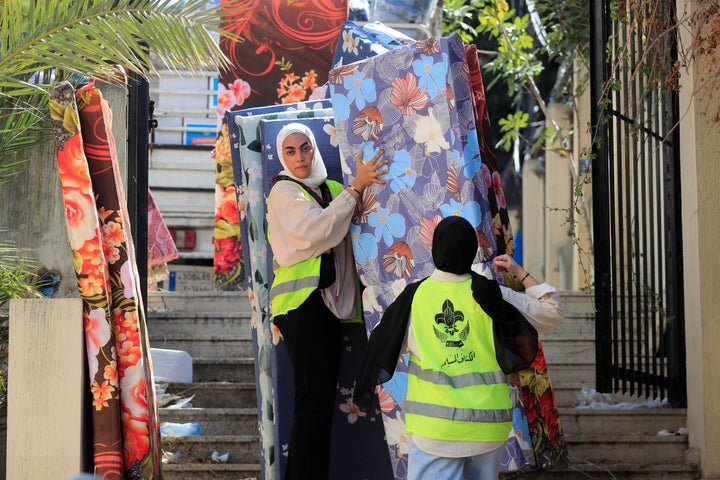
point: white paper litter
(591, 398)
(181, 403)
(220, 458)
(169, 457)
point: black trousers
(311, 334)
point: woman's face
(298, 154)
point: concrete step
(226, 369)
(574, 326)
(207, 345)
(183, 470)
(561, 372)
(215, 421)
(579, 394)
(586, 421)
(634, 449)
(570, 393)
(199, 449)
(176, 323)
(217, 394)
(569, 350)
(198, 302)
(609, 471)
(578, 303)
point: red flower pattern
(227, 254)
(118, 373)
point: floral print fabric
(227, 260)
(254, 157)
(161, 247)
(414, 103)
(362, 430)
(496, 198)
(124, 410)
(356, 43)
(286, 48)
(284, 53)
(538, 397)
(540, 403)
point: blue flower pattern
(393, 212)
(409, 169)
(388, 226)
(432, 73)
(470, 211)
(341, 104)
(364, 245)
(401, 173)
(471, 160)
(360, 89)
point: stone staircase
(612, 442)
(214, 328)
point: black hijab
(454, 245)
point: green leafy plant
(459, 16)
(525, 44)
(551, 31)
(18, 279)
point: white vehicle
(181, 170)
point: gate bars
(640, 343)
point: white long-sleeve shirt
(299, 229)
(540, 305)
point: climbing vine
(527, 35)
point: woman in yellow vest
(458, 412)
(315, 284)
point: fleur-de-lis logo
(451, 319)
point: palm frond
(89, 37)
(24, 122)
(52, 40)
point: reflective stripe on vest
(456, 390)
(459, 381)
(293, 285)
(461, 414)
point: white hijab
(318, 174)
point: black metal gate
(640, 342)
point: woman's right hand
(505, 263)
(369, 172)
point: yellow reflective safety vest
(456, 390)
(293, 285)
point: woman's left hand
(369, 172)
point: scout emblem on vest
(450, 319)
